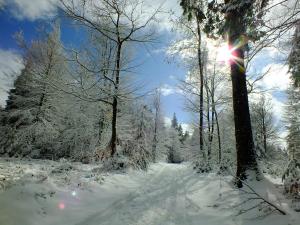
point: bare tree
(157, 121)
(194, 10)
(263, 122)
(191, 26)
(215, 101)
(120, 22)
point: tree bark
(200, 64)
(243, 131)
(246, 159)
(264, 131)
(219, 136)
(155, 136)
(113, 143)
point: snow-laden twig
(273, 205)
(258, 197)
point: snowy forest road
(166, 194)
(167, 197)
(161, 199)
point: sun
(224, 54)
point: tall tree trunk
(155, 136)
(210, 122)
(101, 127)
(200, 64)
(113, 143)
(246, 159)
(264, 132)
(212, 130)
(219, 137)
(44, 83)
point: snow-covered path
(161, 198)
(167, 194)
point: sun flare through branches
(225, 54)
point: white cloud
(10, 66)
(167, 121)
(167, 90)
(278, 107)
(187, 127)
(41, 9)
(277, 78)
(31, 9)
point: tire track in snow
(110, 211)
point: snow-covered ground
(59, 193)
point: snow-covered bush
(291, 178)
(135, 137)
(174, 146)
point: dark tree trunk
(211, 136)
(113, 143)
(41, 103)
(219, 137)
(200, 64)
(44, 83)
(210, 122)
(243, 131)
(264, 132)
(246, 159)
(155, 136)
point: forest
(96, 128)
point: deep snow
(46, 192)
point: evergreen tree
(174, 122)
(185, 136)
(180, 130)
(294, 56)
(291, 175)
(292, 118)
(30, 122)
(174, 146)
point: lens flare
(73, 193)
(224, 54)
(61, 205)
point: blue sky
(155, 71)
